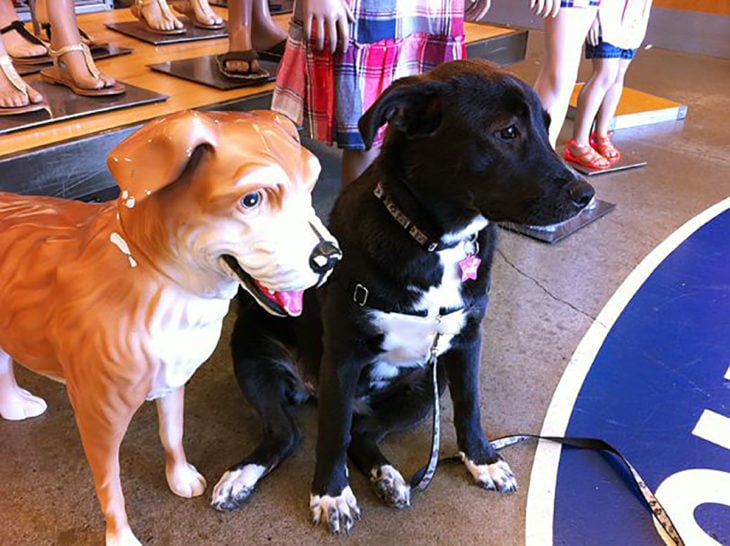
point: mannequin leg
(240, 22)
(564, 36)
(265, 33)
(16, 404)
(15, 44)
(62, 18)
(613, 96)
(354, 163)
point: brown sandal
(19, 27)
(7, 68)
(59, 74)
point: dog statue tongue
(291, 301)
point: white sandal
(7, 68)
(136, 10)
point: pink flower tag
(469, 266)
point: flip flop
(7, 68)
(136, 10)
(19, 27)
(248, 56)
(58, 74)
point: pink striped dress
(389, 39)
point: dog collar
(422, 237)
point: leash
(423, 476)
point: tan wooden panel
(133, 70)
(720, 7)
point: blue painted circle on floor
(663, 367)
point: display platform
(137, 30)
(556, 232)
(65, 105)
(98, 53)
(627, 161)
(636, 109)
(205, 70)
(651, 378)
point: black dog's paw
(390, 486)
(340, 512)
(497, 476)
(235, 486)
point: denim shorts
(604, 50)
(579, 3)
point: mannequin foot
(157, 16)
(585, 155)
(16, 97)
(604, 146)
(74, 68)
(200, 12)
(19, 42)
(17, 404)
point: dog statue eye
(508, 133)
(251, 200)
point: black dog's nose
(581, 193)
(324, 257)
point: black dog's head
(475, 136)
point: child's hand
(594, 34)
(545, 7)
(331, 18)
(474, 10)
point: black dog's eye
(251, 200)
(508, 133)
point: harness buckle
(360, 294)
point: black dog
(467, 146)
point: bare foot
(198, 10)
(157, 15)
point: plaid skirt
(390, 39)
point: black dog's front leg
(331, 498)
(480, 458)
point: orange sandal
(604, 146)
(585, 156)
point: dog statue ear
(159, 153)
(411, 105)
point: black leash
(423, 476)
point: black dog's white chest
(409, 339)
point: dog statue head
(490, 129)
(225, 199)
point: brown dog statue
(122, 301)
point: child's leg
(564, 36)
(354, 163)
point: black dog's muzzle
(324, 257)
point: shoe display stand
(65, 105)
(627, 161)
(557, 232)
(98, 53)
(204, 70)
(138, 30)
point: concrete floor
(543, 301)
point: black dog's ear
(411, 105)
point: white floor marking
(541, 494)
